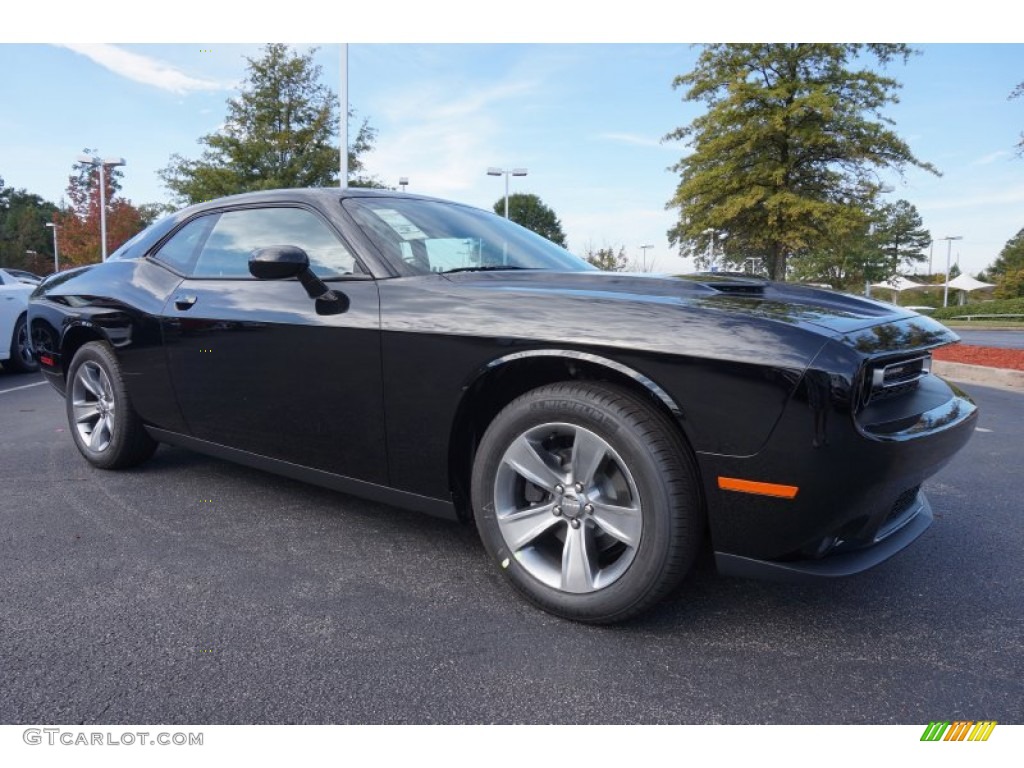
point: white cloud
(143, 69)
(966, 199)
(448, 140)
(630, 227)
(637, 140)
(991, 157)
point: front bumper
(836, 565)
(858, 477)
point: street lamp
(56, 268)
(96, 162)
(403, 182)
(949, 248)
(711, 246)
(643, 257)
(506, 174)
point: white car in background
(15, 288)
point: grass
(992, 325)
(997, 307)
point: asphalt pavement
(195, 591)
(1007, 339)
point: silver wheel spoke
(588, 451)
(624, 523)
(525, 460)
(522, 527)
(96, 438)
(87, 375)
(577, 568)
(86, 412)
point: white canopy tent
(968, 283)
(899, 284)
(965, 284)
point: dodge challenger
(598, 428)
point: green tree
(844, 260)
(1007, 271)
(151, 212)
(279, 133)
(23, 230)
(786, 158)
(529, 211)
(886, 241)
(899, 237)
(78, 220)
(607, 259)
(1019, 91)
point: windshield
(431, 236)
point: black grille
(903, 503)
(883, 380)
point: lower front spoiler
(831, 566)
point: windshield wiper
(488, 268)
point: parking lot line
(26, 386)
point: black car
(597, 427)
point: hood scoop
(734, 284)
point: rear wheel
(103, 423)
(587, 498)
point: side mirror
(283, 262)
(278, 262)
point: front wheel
(587, 498)
(106, 429)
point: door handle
(185, 301)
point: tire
(105, 427)
(21, 359)
(587, 499)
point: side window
(238, 233)
(179, 252)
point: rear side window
(225, 253)
(179, 252)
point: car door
(253, 364)
(13, 302)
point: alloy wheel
(568, 508)
(93, 404)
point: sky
(585, 118)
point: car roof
(310, 195)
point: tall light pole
(506, 174)
(949, 249)
(96, 162)
(643, 257)
(56, 267)
(343, 118)
(711, 246)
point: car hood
(840, 313)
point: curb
(1003, 378)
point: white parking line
(15, 389)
